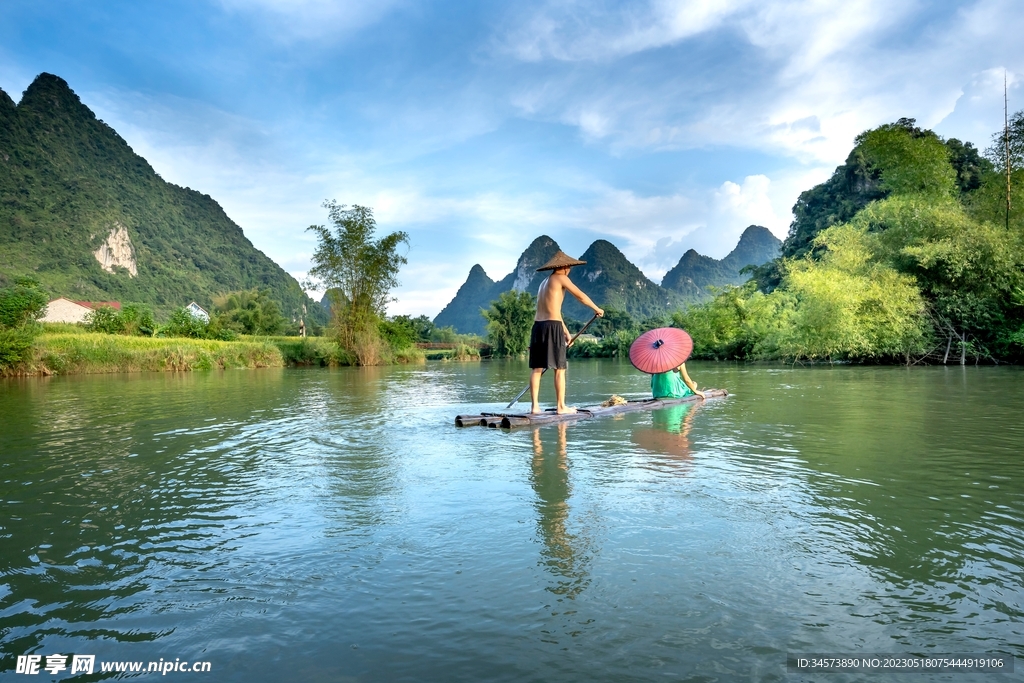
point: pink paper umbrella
(660, 350)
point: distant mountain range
(91, 220)
(610, 280)
(695, 273)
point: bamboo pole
(1006, 144)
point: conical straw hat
(561, 260)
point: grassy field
(72, 353)
(69, 349)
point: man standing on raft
(550, 337)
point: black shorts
(547, 345)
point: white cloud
(978, 112)
(297, 20)
(770, 70)
(655, 231)
(596, 31)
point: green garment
(669, 385)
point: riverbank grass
(64, 354)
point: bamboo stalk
(1006, 142)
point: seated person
(674, 384)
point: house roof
(116, 305)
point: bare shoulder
(560, 278)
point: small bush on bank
(312, 351)
(20, 306)
(133, 319)
(15, 347)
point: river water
(334, 525)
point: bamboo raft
(512, 420)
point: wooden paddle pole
(582, 330)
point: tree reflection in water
(565, 554)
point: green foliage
(21, 303)
(361, 269)
(911, 161)
(138, 320)
(509, 321)
(897, 157)
(612, 321)
(1014, 136)
(852, 186)
(183, 324)
(359, 272)
(312, 351)
(850, 305)
(446, 335)
(422, 327)
(69, 180)
(399, 332)
(132, 319)
(248, 312)
(968, 165)
(104, 319)
(15, 347)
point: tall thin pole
(1006, 143)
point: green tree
(968, 165)
(996, 152)
(133, 319)
(422, 326)
(910, 161)
(138, 320)
(360, 271)
(20, 306)
(445, 335)
(399, 332)
(249, 311)
(509, 320)
(21, 303)
(183, 324)
(105, 319)
(614, 320)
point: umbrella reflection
(670, 433)
(564, 552)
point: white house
(198, 312)
(67, 311)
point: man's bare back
(550, 296)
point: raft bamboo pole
(510, 421)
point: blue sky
(477, 126)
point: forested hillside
(908, 253)
(90, 219)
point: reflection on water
(670, 433)
(334, 525)
(564, 552)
